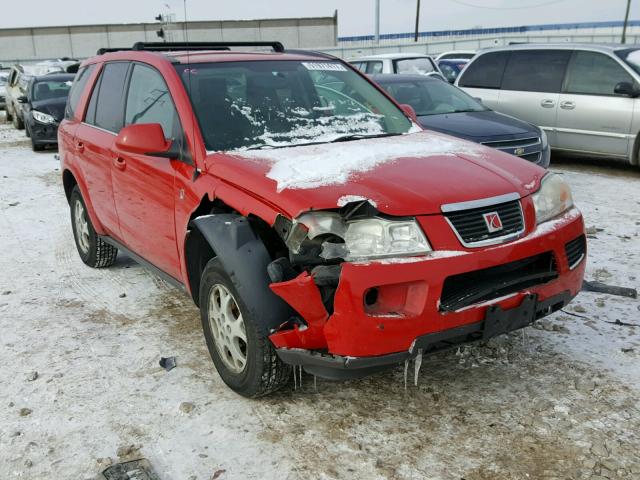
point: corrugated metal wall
(30, 44)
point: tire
(8, 117)
(17, 123)
(93, 251)
(27, 131)
(262, 371)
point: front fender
(245, 258)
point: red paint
(146, 202)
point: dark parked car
(444, 108)
(43, 107)
(451, 67)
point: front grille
(462, 290)
(471, 227)
(575, 251)
(529, 148)
(519, 142)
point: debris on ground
(25, 412)
(168, 363)
(186, 407)
(32, 376)
(128, 450)
(134, 470)
(600, 287)
(217, 474)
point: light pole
(626, 21)
(377, 36)
(415, 38)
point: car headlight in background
(553, 198)
(42, 117)
(379, 238)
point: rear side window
(485, 71)
(414, 65)
(149, 100)
(592, 73)
(106, 107)
(536, 70)
(374, 67)
(79, 83)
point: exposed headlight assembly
(364, 239)
(42, 117)
(552, 199)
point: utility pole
(626, 21)
(377, 37)
(415, 38)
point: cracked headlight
(553, 198)
(42, 117)
(379, 238)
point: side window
(485, 71)
(107, 103)
(374, 67)
(593, 73)
(414, 65)
(149, 100)
(536, 70)
(360, 65)
(79, 83)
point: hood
(478, 126)
(53, 106)
(405, 175)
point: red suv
(305, 212)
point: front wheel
(93, 251)
(238, 344)
(17, 123)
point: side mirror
(143, 139)
(626, 88)
(409, 111)
(22, 99)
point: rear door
(143, 185)
(95, 139)
(591, 116)
(531, 87)
(482, 78)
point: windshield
(266, 104)
(48, 89)
(631, 56)
(432, 97)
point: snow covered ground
(559, 402)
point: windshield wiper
(348, 138)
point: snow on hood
(313, 166)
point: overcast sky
(355, 17)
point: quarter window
(149, 101)
(592, 73)
(485, 71)
(79, 83)
(374, 67)
(536, 70)
(107, 101)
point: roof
(392, 56)
(598, 47)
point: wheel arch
(69, 181)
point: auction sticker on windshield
(332, 67)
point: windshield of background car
(49, 89)
(432, 97)
(631, 56)
(249, 105)
(419, 65)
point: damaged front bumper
(386, 311)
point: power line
(474, 5)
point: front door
(143, 185)
(591, 117)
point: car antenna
(196, 171)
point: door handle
(568, 105)
(119, 163)
(80, 147)
(547, 103)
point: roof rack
(182, 46)
(102, 51)
(313, 53)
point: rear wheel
(238, 344)
(8, 117)
(93, 251)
